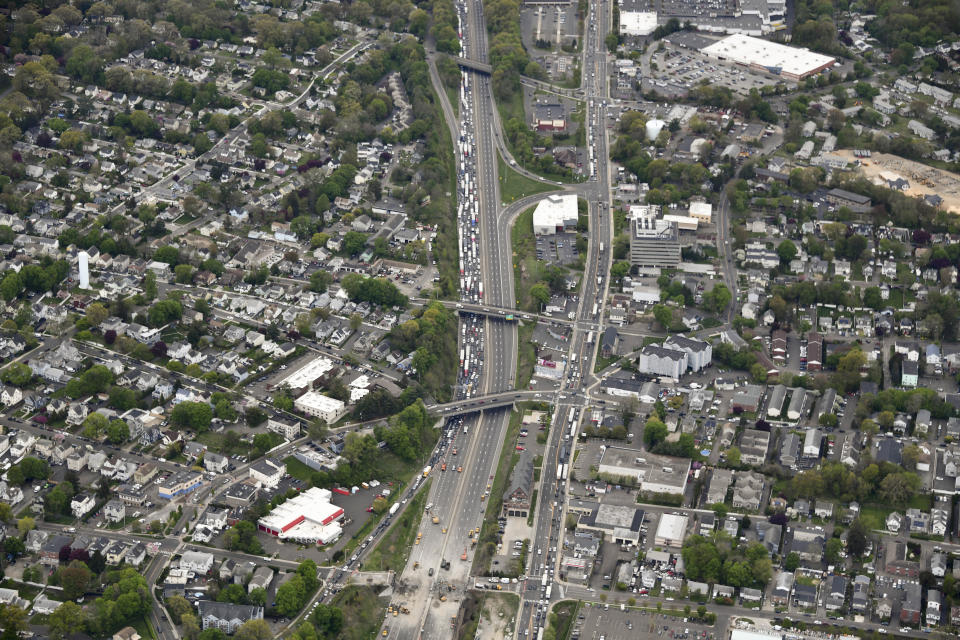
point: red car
(519, 448)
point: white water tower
(654, 127)
(84, 262)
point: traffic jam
(468, 211)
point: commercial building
(320, 406)
(179, 483)
(654, 473)
(309, 375)
(671, 530)
(555, 214)
(684, 223)
(619, 524)
(661, 361)
(654, 243)
(701, 211)
(792, 63)
(638, 23)
(309, 518)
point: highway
(488, 361)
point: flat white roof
(638, 23)
(308, 373)
(554, 210)
(749, 50)
(672, 527)
(320, 402)
(744, 634)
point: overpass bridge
(480, 403)
(501, 313)
(473, 65)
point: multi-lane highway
(488, 350)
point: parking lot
(679, 70)
(609, 622)
(559, 249)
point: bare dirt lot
(924, 180)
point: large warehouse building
(555, 214)
(792, 63)
(309, 518)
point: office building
(654, 243)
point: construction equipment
(443, 598)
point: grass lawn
(298, 470)
(874, 516)
(363, 612)
(562, 617)
(921, 501)
(514, 186)
(527, 270)
(454, 99)
(145, 629)
(394, 549)
(215, 442)
(603, 363)
(526, 353)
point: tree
(857, 538)
(717, 298)
(233, 593)
(257, 596)
(720, 510)
(654, 432)
(183, 273)
(118, 432)
(910, 455)
(67, 619)
(898, 488)
(541, 293)
(96, 313)
(254, 630)
(17, 374)
(787, 251)
(75, 579)
(25, 525)
(733, 456)
(95, 425)
(792, 561)
(178, 606)
(192, 415)
(827, 420)
(833, 550)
